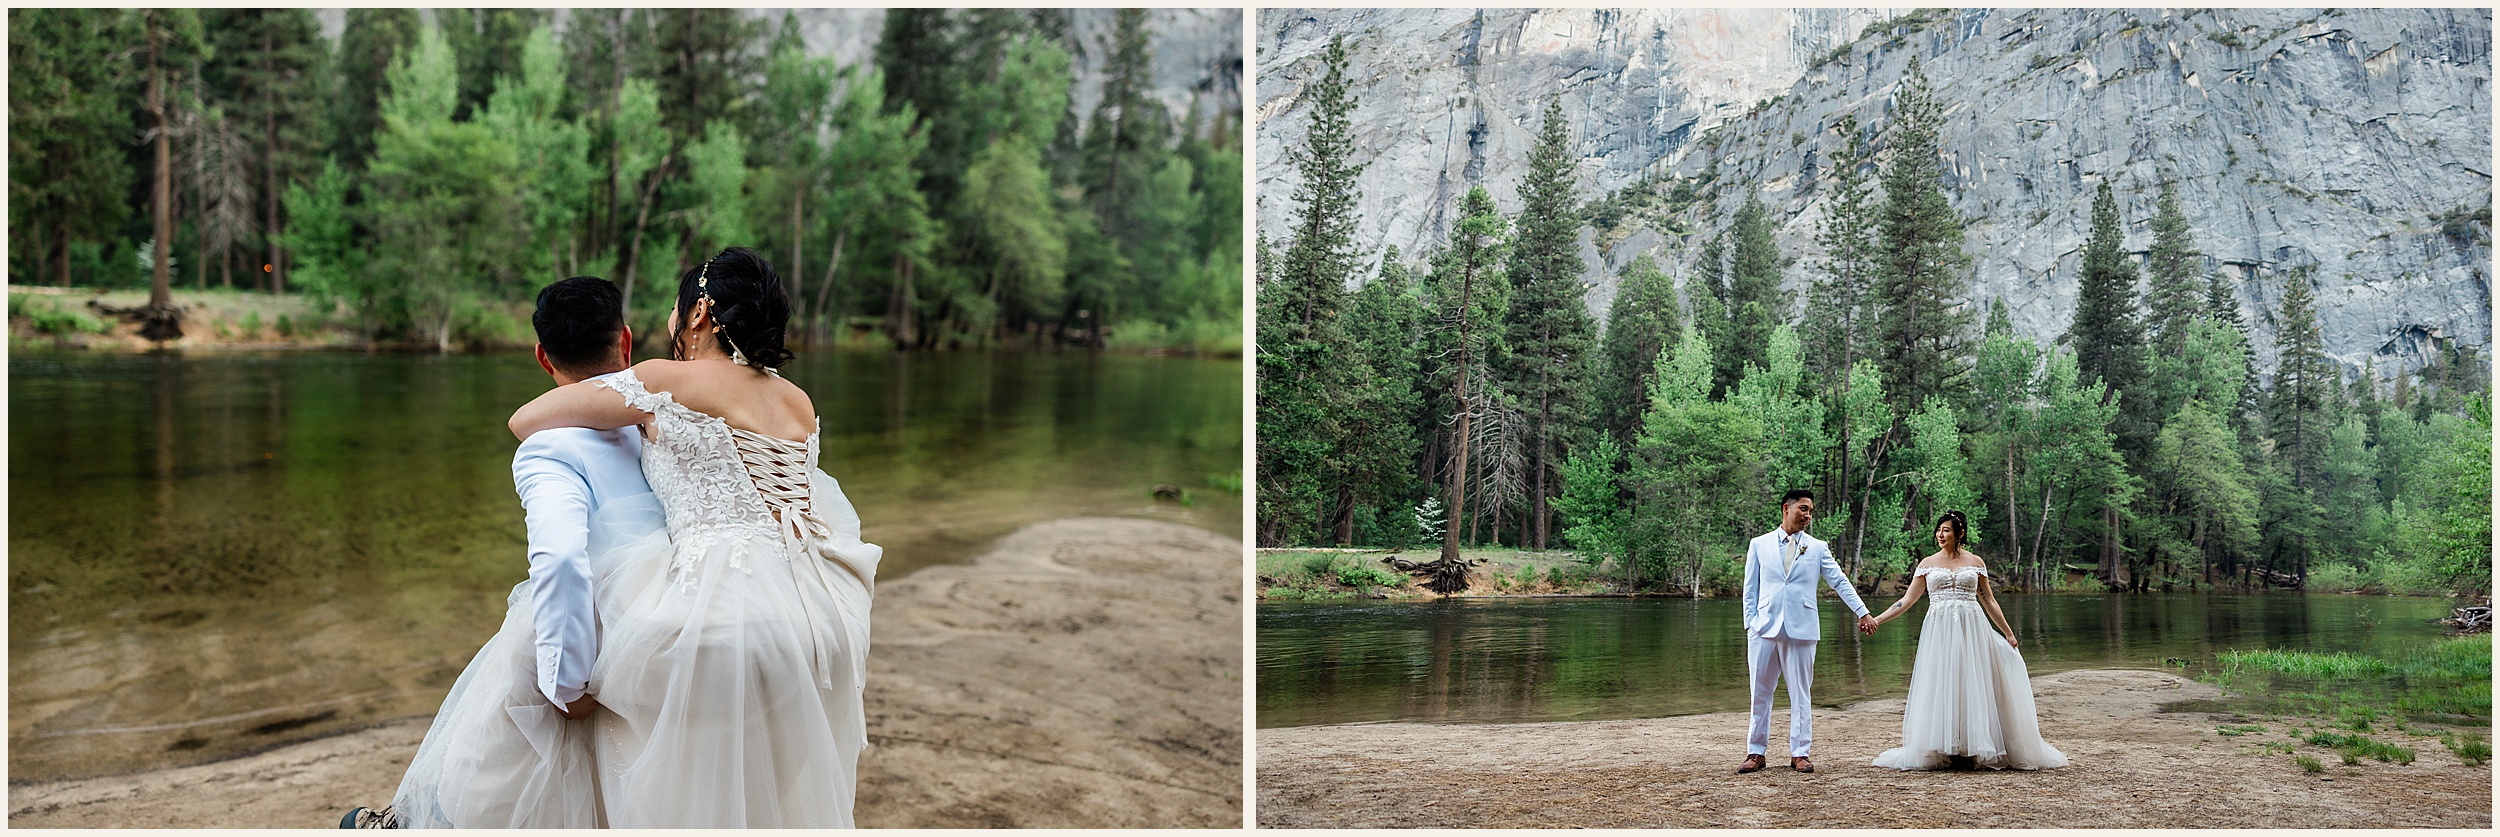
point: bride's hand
(2010, 640)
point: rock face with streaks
(2350, 148)
(1449, 98)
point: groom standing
(1781, 625)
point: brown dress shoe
(1801, 764)
(1753, 762)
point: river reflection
(214, 554)
(1521, 660)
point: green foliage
(1793, 439)
(440, 204)
(1754, 304)
(1643, 321)
(1595, 518)
(1696, 474)
(48, 316)
(1939, 469)
(2310, 764)
(1356, 573)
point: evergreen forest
(421, 175)
(1468, 398)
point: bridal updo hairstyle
(1960, 523)
(748, 304)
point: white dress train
(732, 657)
(1970, 694)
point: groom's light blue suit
(1782, 572)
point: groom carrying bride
(1782, 569)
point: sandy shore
(2134, 766)
(1083, 673)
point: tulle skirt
(730, 670)
(1970, 695)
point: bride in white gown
(733, 647)
(1969, 692)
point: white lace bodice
(1953, 584)
(708, 475)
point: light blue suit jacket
(565, 475)
(1779, 600)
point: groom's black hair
(1794, 495)
(577, 321)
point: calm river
(210, 555)
(1510, 660)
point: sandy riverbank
(1083, 673)
(2134, 766)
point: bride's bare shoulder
(658, 373)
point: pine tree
(2305, 382)
(1838, 307)
(1547, 324)
(2171, 296)
(1126, 138)
(1469, 294)
(1382, 413)
(2107, 339)
(1754, 306)
(2223, 306)
(2109, 346)
(69, 175)
(371, 43)
(1302, 349)
(1642, 322)
(1923, 275)
(489, 43)
(266, 68)
(1711, 312)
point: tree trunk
(269, 162)
(1544, 427)
(1345, 515)
(633, 255)
(163, 322)
(62, 244)
(798, 267)
(824, 286)
(2013, 519)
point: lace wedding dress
(1969, 692)
(732, 654)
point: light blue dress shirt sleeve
(556, 497)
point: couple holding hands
(1970, 695)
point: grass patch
(2310, 764)
(2237, 730)
(2354, 748)
(2335, 665)
(2470, 748)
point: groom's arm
(1839, 580)
(1753, 588)
(556, 499)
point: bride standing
(732, 654)
(1969, 693)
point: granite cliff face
(1450, 98)
(2351, 147)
